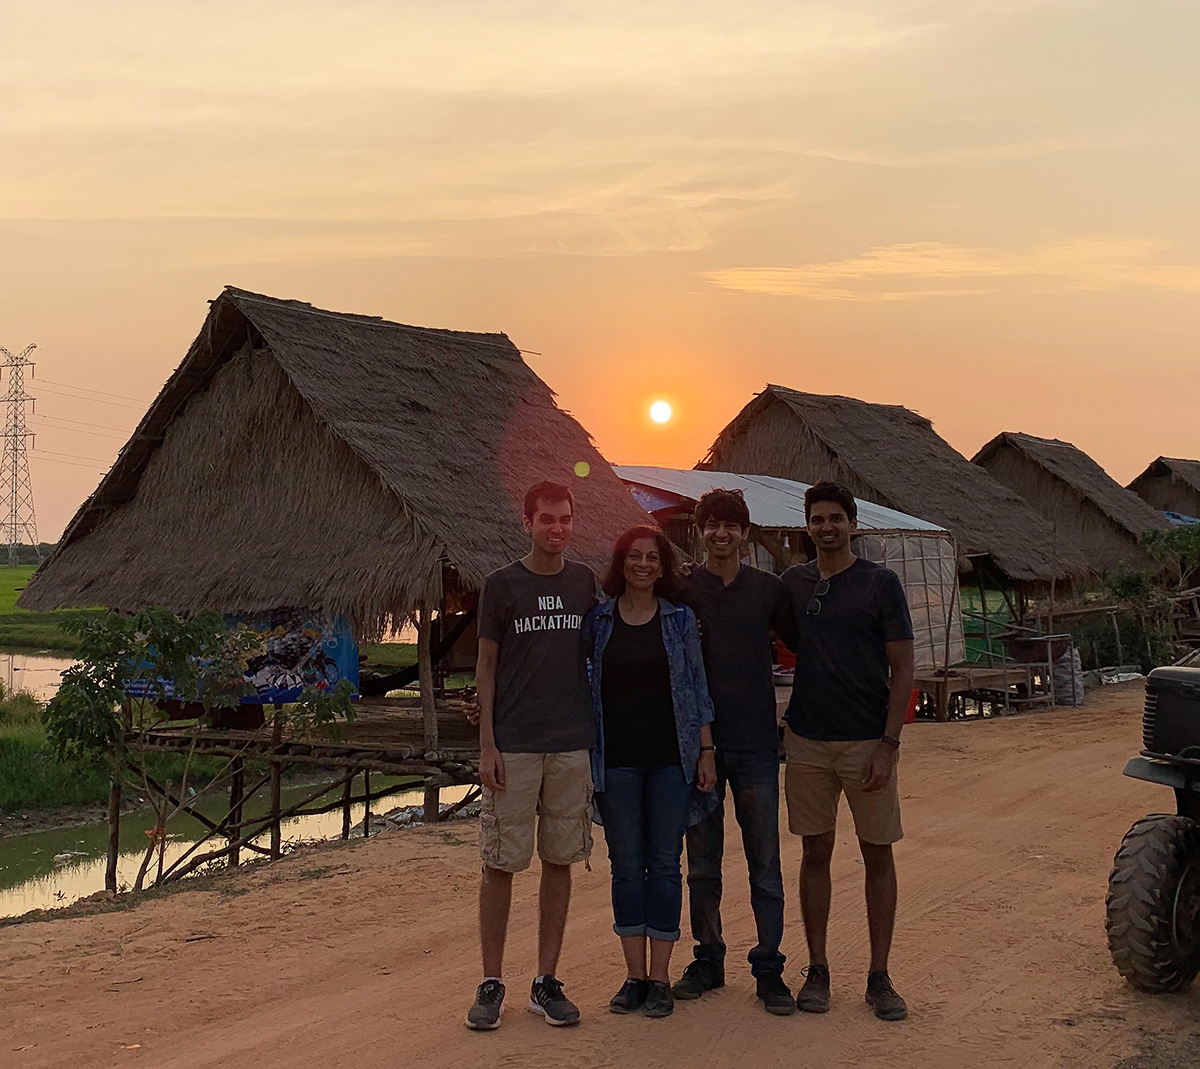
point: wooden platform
(386, 735)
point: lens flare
(660, 411)
(583, 469)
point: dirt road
(364, 955)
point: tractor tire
(1153, 903)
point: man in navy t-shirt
(853, 681)
(738, 607)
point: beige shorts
(550, 790)
(817, 774)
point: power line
(95, 426)
(78, 430)
(73, 456)
(70, 463)
(88, 389)
(98, 400)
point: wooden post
(1053, 579)
(236, 788)
(347, 794)
(428, 701)
(114, 833)
(276, 774)
(367, 799)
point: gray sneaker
(489, 1000)
(547, 999)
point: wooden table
(942, 684)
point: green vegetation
(32, 776)
(1178, 549)
(390, 655)
(31, 630)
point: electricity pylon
(20, 523)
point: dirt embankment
(365, 955)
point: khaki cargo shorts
(817, 774)
(550, 790)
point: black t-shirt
(635, 687)
(543, 702)
(735, 625)
(841, 684)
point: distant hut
(1170, 485)
(319, 460)
(892, 456)
(1070, 489)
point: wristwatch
(891, 740)
(708, 749)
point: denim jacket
(689, 692)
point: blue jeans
(645, 813)
(753, 780)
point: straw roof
(1084, 476)
(1185, 471)
(892, 456)
(305, 458)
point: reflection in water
(35, 672)
(56, 868)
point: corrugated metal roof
(772, 502)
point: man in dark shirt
(535, 730)
(854, 677)
(738, 606)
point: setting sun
(660, 411)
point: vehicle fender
(1181, 779)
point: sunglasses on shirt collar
(819, 591)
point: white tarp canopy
(921, 553)
(773, 503)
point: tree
(1178, 548)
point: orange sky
(983, 209)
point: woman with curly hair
(654, 764)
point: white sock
(496, 978)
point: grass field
(20, 627)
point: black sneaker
(700, 976)
(776, 996)
(882, 998)
(813, 997)
(546, 997)
(659, 1002)
(631, 996)
(489, 1000)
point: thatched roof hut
(305, 458)
(892, 456)
(1069, 488)
(1170, 485)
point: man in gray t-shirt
(535, 730)
(541, 704)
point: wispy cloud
(912, 271)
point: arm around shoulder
(694, 655)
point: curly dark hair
(720, 504)
(669, 585)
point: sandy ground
(365, 955)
